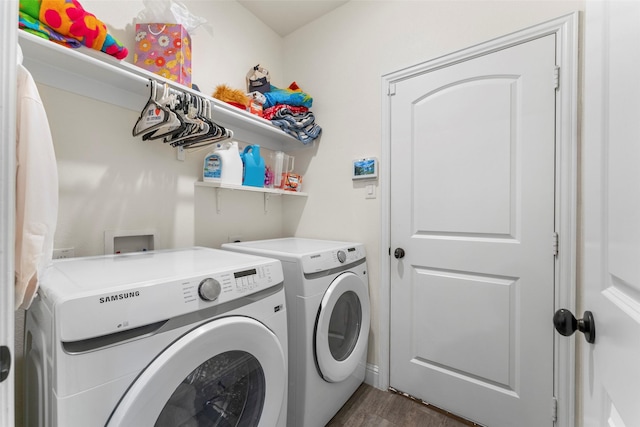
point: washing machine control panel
(230, 285)
(91, 297)
(121, 310)
(234, 283)
(324, 261)
(247, 280)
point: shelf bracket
(267, 196)
(266, 202)
(267, 193)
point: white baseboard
(372, 376)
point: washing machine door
(342, 328)
(228, 372)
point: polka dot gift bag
(164, 49)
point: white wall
(340, 59)
(110, 180)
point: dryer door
(228, 372)
(342, 328)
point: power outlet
(235, 238)
(63, 253)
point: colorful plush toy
(231, 96)
(66, 22)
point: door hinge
(556, 78)
(555, 239)
(391, 90)
(554, 409)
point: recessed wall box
(124, 241)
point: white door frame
(8, 79)
(566, 30)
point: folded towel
(293, 95)
(66, 22)
(35, 27)
(305, 135)
(299, 125)
(270, 112)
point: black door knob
(398, 253)
(566, 324)
(5, 362)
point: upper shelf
(97, 75)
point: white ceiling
(286, 16)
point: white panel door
(611, 189)
(472, 205)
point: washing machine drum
(342, 328)
(209, 377)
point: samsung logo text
(118, 297)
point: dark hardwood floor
(371, 407)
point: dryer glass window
(226, 390)
(344, 326)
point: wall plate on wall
(365, 168)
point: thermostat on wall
(366, 168)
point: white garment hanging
(36, 189)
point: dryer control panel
(328, 260)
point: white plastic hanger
(168, 102)
(152, 116)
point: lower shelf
(266, 191)
(249, 188)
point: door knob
(566, 324)
(398, 253)
(5, 362)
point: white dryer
(326, 285)
(190, 337)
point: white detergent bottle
(212, 170)
(231, 163)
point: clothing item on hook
(36, 189)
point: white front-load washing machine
(327, 291)
(189, 337)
